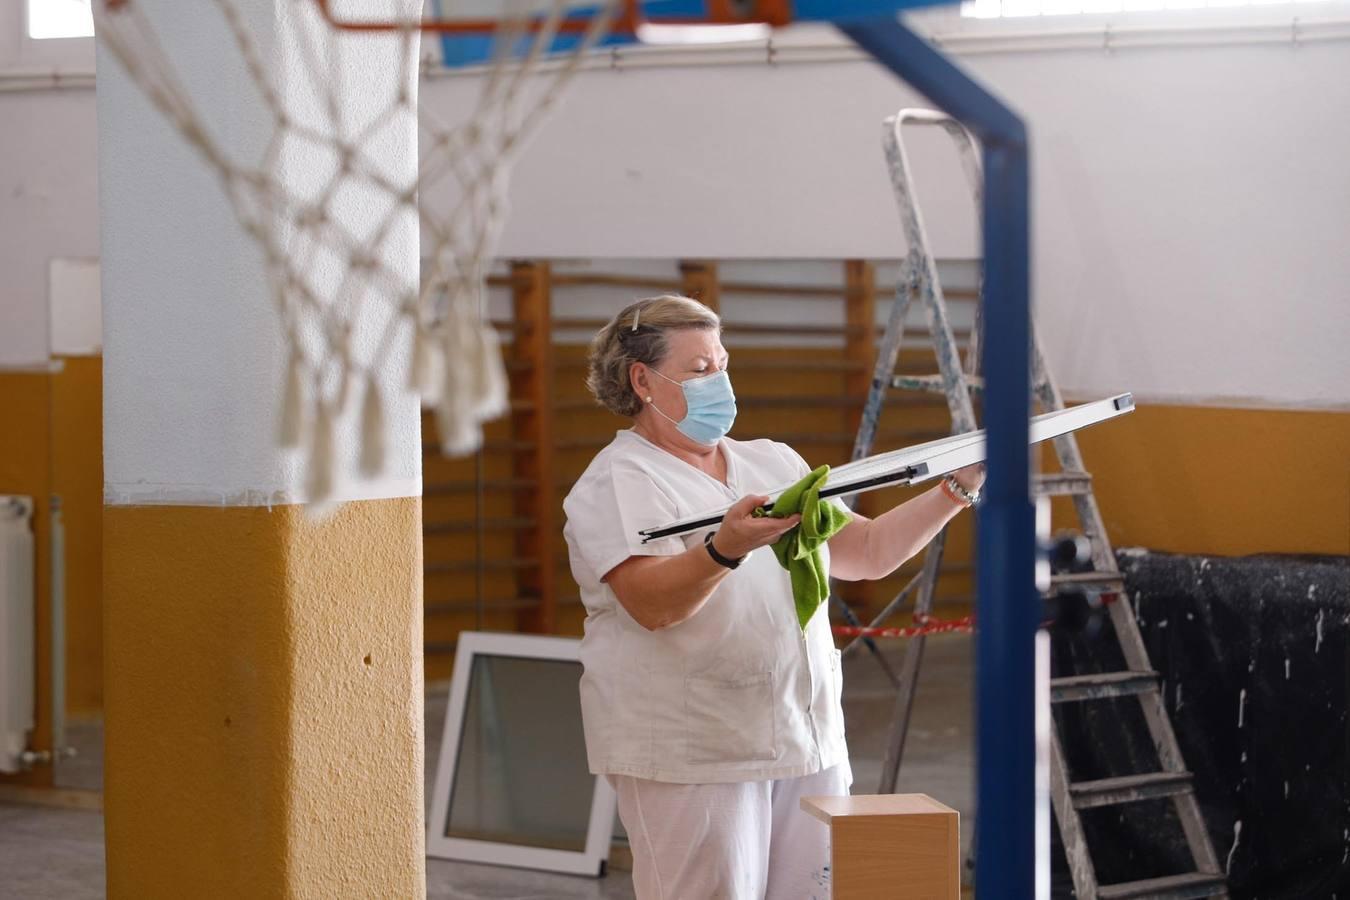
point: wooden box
(891, 846)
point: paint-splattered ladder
(958, 380)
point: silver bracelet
(959, 490)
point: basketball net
(323, 277)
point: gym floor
(57, 854)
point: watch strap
(718, 557)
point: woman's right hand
(741, 532)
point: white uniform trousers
(739, 841)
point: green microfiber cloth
(798, 550)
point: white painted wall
(48, 208)
(1191, 205)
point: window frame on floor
(604, 802)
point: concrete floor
(57, 854)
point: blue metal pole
(1007, 607)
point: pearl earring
(649, 399)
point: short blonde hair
(639, 333)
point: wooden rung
(803, 291)
(511, 325)
(490, 446)
(580, 405)
(449, 607)
(791, 329)
(490, 604)
(806, 291)
(472, 565)
(578, 323)
(510, 524)
(439, 488)
(823, 291)
(583, 443)
(801, 402)
(586, 279)
(797, 365)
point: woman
(704, 702)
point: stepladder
(1124, 672)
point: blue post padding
(1007, 607)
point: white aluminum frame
(599, 831)
(911, 465)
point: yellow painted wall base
(77, 478)
(263, 693)
(1225, 482)
(26, 470)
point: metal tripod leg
(909, 670)
(887, 355)
(852, 619)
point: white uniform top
(737, 692)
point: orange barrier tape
(923, 625)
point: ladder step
(1129, 788)
(1101, 686)
(1171, 887)
(1061, 484)
(1092, 582)
(933, 384)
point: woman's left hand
(867, 549)
(971, 477)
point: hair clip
(636, 315)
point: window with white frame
(1007, 9)
(49, 19)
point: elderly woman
(705, 703)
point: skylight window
(59, 19)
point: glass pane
(59, 19)
(521, 775)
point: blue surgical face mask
(710, 404)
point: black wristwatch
(717, 557)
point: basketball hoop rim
(774, 13)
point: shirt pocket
(729, 720)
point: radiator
(17, 640)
